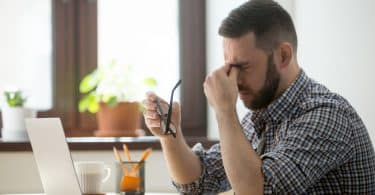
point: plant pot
(122, 120)
(14, 122)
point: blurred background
(48, 46)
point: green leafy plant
(109, 84)
(15, 98)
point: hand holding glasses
(165, 119)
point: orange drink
(130, 177)
(130, 183)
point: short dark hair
(270, 23)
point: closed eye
(245, 67)
(239, 65)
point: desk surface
(150, 193)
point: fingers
(225, 71)
(149, 105)
(150, 95)
(233, 74)
(221, 72)
(151, 115)
(176, 106)
(150, 102)
(152, 123)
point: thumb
(177, 112)
(233, 74)
(176, 106)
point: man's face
(258, 78)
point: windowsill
(104, 143)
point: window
(78, 41)
(26, 51)
(142, 34)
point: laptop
(52, 156)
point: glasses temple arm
(170, 106)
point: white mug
(92, 175)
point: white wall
(336, 47)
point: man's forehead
(237, 48)
(246, 40)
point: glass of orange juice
(133, 182)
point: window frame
(75, 54)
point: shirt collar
(281, 107)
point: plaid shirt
(315, 143)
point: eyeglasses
(165, 119)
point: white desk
(150, 193)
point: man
(300, 138)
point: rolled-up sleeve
(314, 144)
(213, 178)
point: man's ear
(285, 54)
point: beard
(268, 92)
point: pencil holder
(133, 181)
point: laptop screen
(52, 156)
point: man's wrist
(169, 139)
(226, 114)
(226, 118)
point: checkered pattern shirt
(315, 143)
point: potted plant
(111, 92)
(13, 115)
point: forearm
(183, 165)
(242, 164)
